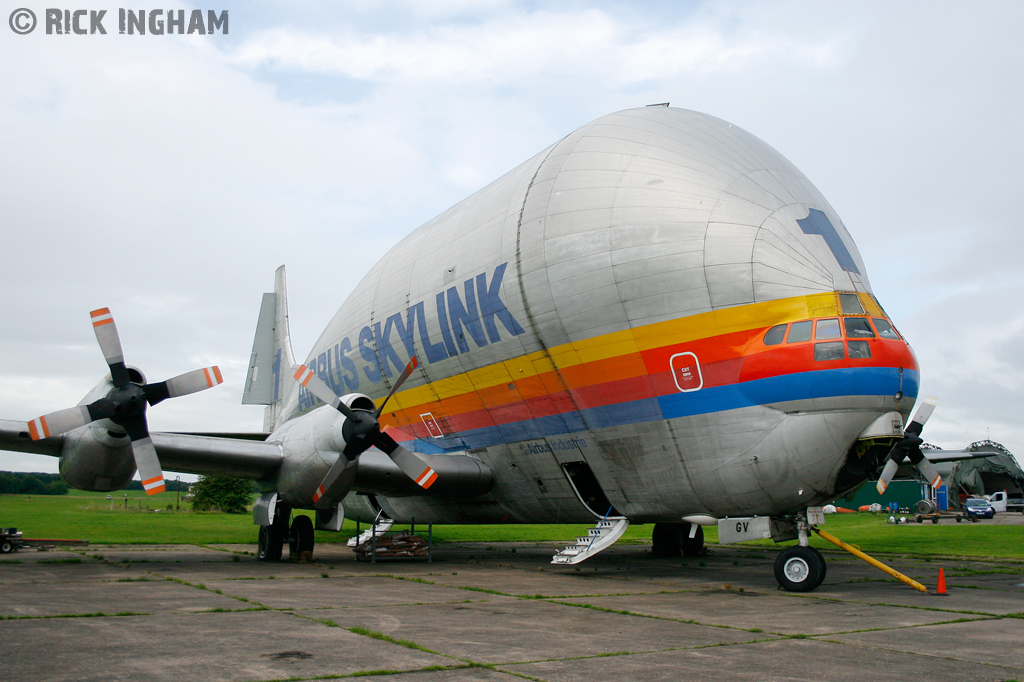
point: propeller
(909, 448)
(362, 430)
(125, 404)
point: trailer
(935, 516)
(927, 510)
(11, 540)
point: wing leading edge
(242, 456)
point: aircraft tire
(271, 543)
(665, 540)
(824, 567)
(301, 538)
(692, 547)
(673, 540)
(800, 569)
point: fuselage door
(588, 490)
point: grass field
(90, 516)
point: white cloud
(518, 49)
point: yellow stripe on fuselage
(624, 343)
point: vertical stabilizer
(271, 354)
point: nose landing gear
(800, 569)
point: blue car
(979, 508)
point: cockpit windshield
(885, 330)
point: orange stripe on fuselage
(630, 365)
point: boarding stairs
(381, 526)
(601, 537)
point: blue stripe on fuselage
(829, 383)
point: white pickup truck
(1003, 501)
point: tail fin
(271, 354)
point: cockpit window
(851, 305)
(858, 328)
(775, 335)
(800, 331)
(885, 329)
(859, 350)
(827, 329)
(833, 350)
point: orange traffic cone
(941, 587)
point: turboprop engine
(317, 444)
(113, 416)
(361, 430)
(99, 457)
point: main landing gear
(677, 539)
(273, 537)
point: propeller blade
(62, 421)
(110, 343)
(332, 476)
(184, 384)
(887, 473)
(413, 364)
(910, 447)
(56, 423)
(930, 473)
(315, 385)
(924, 411)
(146, 460)
(413, 467)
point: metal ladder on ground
(380, 525)
(608, 530)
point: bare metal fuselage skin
(609, 302)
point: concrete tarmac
(499, 612)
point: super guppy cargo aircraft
(657, 319)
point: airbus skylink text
(472, 314)
(136, 22)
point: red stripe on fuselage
(724, 360)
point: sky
(168, 176)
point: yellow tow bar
(874, 562)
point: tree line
(34, 483)
(37, 483)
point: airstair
(604, 535)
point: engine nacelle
(93, 459)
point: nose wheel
(800, 569)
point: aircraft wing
(14, 436)
(238, 455)
(218, 456)
(958, 455)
